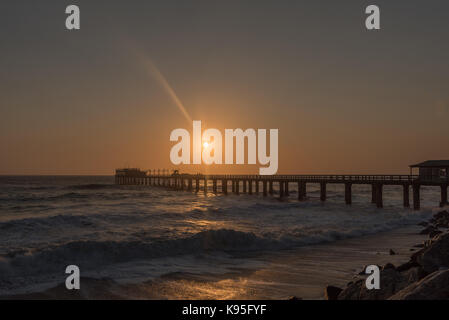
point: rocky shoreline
(424, 277)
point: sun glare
(205, 145)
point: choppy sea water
(140, 233)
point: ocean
(141, 234)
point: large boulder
(435, 255)
(331, 292)
(433, 287)
(391, 281)
(441, 219)
(429, 230)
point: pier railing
(295, 177)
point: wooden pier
(255, 184)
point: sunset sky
(345, 100)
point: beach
(301, 273)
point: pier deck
(265, 184)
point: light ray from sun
(154, 71)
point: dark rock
(407, 266)
(434, 233)
(420, 245)
(435, 255)
(294, 298)
(392, 253)
(391, 281)
(428, 230)
(441, 215)
(331, 292)
(441, 219)
(442, 224)
(433, 287)
(388, 266)
(423, 224)
(363, 272)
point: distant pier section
(431, 173)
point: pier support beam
(443, 195)
(281, 189)
(323, 191)
(224, 186)
(286, 189)
(250, 187)
(302, 190)
(416, 197)
(348, 193)
(244, 186)
(373, 193)
(237, 187)
(270, 187)
(379, 195)
(214, 186)
(406, 195)
(264, 187)
(205, 186)
(233, 186)
(197, 185)
(257, 186)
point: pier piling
(281, 189)
(177, 181)
(416, 196)
(379, 195)
(406, 195)
(323, 191)
(443, 195)
(348, 193)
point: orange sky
(344, 100)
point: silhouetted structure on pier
(256, 183)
